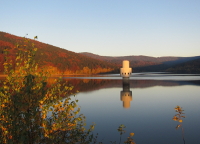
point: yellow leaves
(76, 112)
(180, 120)
(62, 109)
(60, 103)
(132, 134)
(54, 124)
(27, 65)
(40, 106)
(46, 135)
(92, 127)
(178, 109)
(79, 119)
(3, 105)
(18, 57)
(175, 118)
(36, 67)
(43, 125)
(68, 88)
(70, 124)
(41, 102)
(178, 117)
(44, 116)
(5, 132)
(17, 64)
(56, 106)
(5, 87)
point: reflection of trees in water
(84, 85)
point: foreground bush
(33, 112)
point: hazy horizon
(139, 55)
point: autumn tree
(33, 112)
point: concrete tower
(125, 71)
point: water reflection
(126, 94)
(149, 117)
(150, 114)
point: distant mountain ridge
(62, 61)
(144, 63)
(131, 58)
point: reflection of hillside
(151, 83)
(142, 83)
(84, 85)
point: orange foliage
(6, 44)
(61, 54)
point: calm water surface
(144, 104)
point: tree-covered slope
(192, 66)
(135, 61)
(56, 59)
(154, 64)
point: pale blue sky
(108, 27)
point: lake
(144, 104)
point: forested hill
(55, 59)
(187, 67)
(139, 61)
(154, 64)
(118, 59)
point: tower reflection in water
(126, 94)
